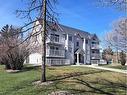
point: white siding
(35, 58)
(67, 47)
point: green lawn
(116, 66)
(119, 67)
(77, 80)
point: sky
(81, 14)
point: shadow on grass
(104, 86)
(94, 88)
(29, 68)
(69, 75)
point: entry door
(75, 59)
(81, 58)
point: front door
(75, 59)
(81, 58)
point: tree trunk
(43, 34)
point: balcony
(58, 62)
(95, 56)
(55, 53)
(94, 46)
(55, 40)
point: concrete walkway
(104, 68)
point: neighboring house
(67, 46)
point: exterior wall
(70, 51)
(88, 50)
(77, 39)
(35, 58)
(84, 48)
(65, 45)
(95, 51)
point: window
(93, 51)
(65, 36)
(93, 42)
(94, 39)
(77, 44)
(53, 28)
(55, 37)
(54, 48)
(70, 38)
(86, 41)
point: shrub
(12, 54)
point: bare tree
(42, 10)
(107, 54)
(117, 38)
(122, 58)
(12, 58)
(120, 5)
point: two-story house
(67, 46)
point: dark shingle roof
(74, 31)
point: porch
(55, 53)
(79, 57)
(57, 62)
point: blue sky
(81, 14)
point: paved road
(104, 68)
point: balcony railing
(56, 40)
(55, 53)
(94, 46)
(95, 56)
(57, 61)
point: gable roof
(95, 36)
(70, 30)
(74, 31)
(79, 50)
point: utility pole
(43, 35)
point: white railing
(94, 46)
(57, 40)
(55, 53)
(95, 56)
(57, 62)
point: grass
(119, 67)
(77, 80)
(116, 66)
